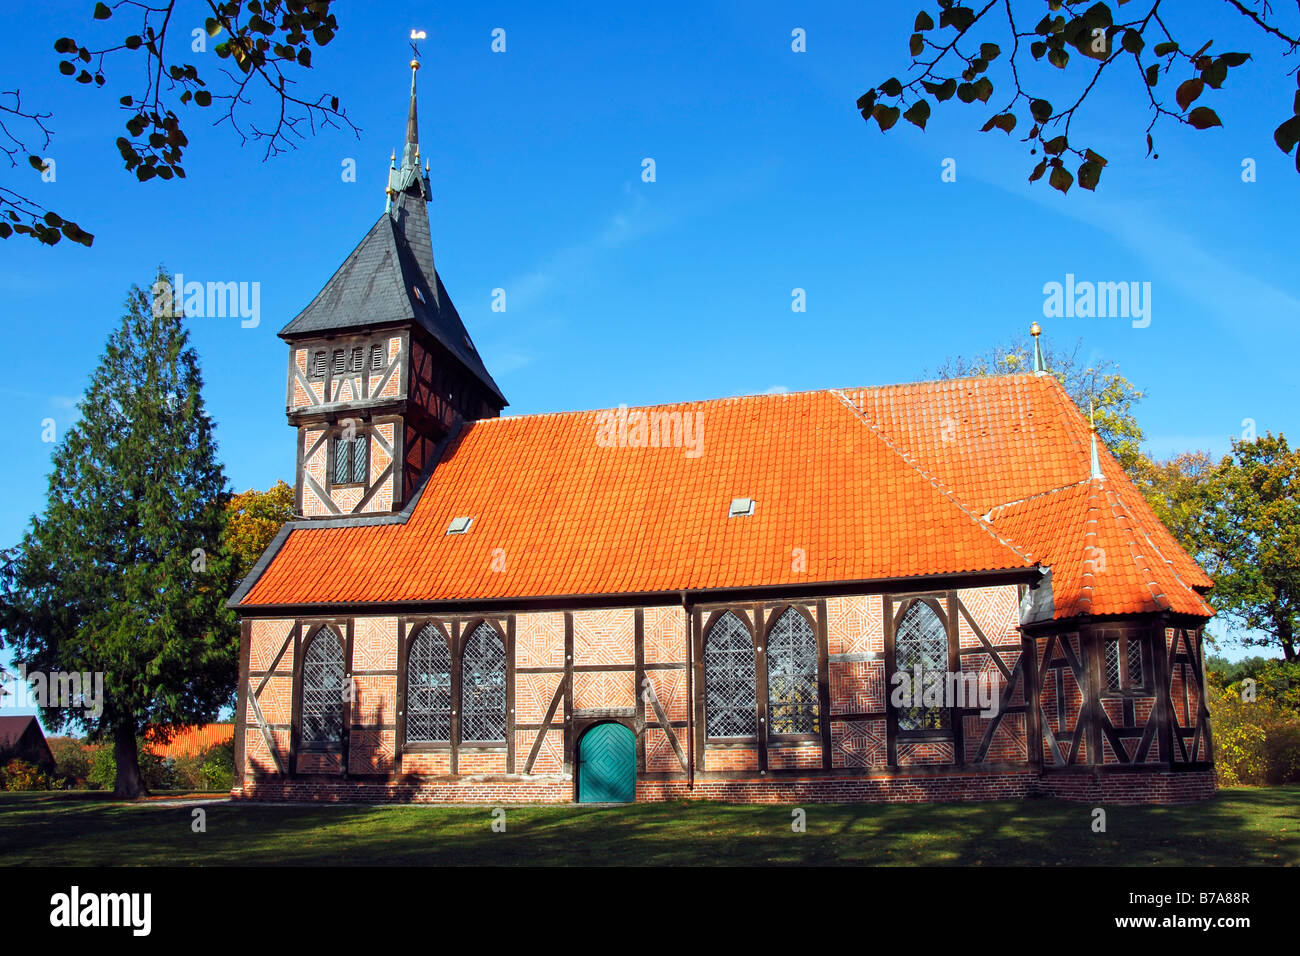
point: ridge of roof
(938, 485)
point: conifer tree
(124, 573)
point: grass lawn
(1246, 826)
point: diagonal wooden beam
(266, 731)
(546, 726)
(653, 699)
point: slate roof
(390, 278)
(954, 477)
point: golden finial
(1035, 330)
(1092, 417)
(390, 191)
(415, 64)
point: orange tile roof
(864, 484)
(189, 741)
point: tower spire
(1092, 428)
(1040, 368)
(407, 177)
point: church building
(941, 590)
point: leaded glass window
(483, 686)
(1135, 663)
(792, 675)
(428, 688)
(730, 701)
(1112, 665)
(921, 647)
(350, 460)
(322, 689)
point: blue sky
(622, 291)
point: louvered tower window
(319, 363)
(339, 362)
(483, 686)
(322, 689)
(792, 675)
(922, 640)
(428, 688)
(377, 358)
(730, 700)
(358, 357)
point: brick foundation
(1151, 787)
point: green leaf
(1188, 91)
(886, 116)
(865, 101)
(1037, 174)
(923, 22)
(1058, 58)
(1038, 48)
(918, 113)
(1203, 118)
(1055, 146)
(1041, 110)
(1288, 134)
(983, 89)
(66, 67)
(1061, 179)
(1235, 59)
(102, 12)
(1153, 74)
(1089, 175)
(990, 51)
(966, 92)
(202, 97)
(212, 25)
(916, 44)
(892, 87)
(1133, 43)
(65, 45)
(1162, 49)
(946, 89)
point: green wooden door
(607, 765)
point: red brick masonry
(1160, 787)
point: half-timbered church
(933, 591)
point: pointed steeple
(407, 178)
(1040, 368)
(1092, 428)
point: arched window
(322, 689)
(483, 686)
(428, 688)
(921, 641)
(729, 697)
(792, 675)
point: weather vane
(416, 35)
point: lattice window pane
(792, 675)
(359, 448)
(322, 689)
(730, 702)
(428, 688)
(921, 641)
(1112, 665)
(483, 686)
(1135, 663)
(342, 461)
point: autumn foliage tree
(253, 519)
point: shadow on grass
(1239, 827)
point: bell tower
(381, 367)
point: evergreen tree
(125, 573)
